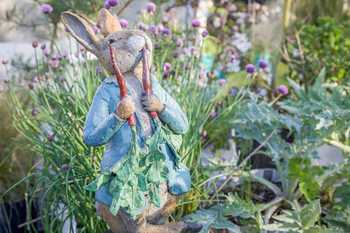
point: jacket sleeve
(172, 115)
(101, 124)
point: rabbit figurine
(141, 174)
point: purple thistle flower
(205, 33)
(166, 67)
(43, 46)
(250, 69)
(234, 91)
(151, 7)
(196, 23)
(106, 5)
(4, 62)
(113, 3)
(166, 70)
(110, 3)
(35, 44)
(46, 8)
(153, 29)
(99, 70)
(282, 90)
(263, 64)
(165, 31)
(124, 23)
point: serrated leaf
(310, 214)
(238, 207)
(213, 218)
(310, 188)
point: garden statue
(141, 125)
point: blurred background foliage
(324, 43)
(16, 159)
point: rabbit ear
(107, 22)
(81, 30)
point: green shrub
(325, 43)
(307, 196)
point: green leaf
(278, 227)
(310, 214)
(115, 205)
(238, 207)
(142, 182)
(222, 223)
(97, 183)
(154, 194)
(301, 169)
(213, 218)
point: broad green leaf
(213, 218)
(238, 207)
(310, 214)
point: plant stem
(243, 163)
(265, 182)
(287, 13)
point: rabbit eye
(111, 41)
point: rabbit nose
(136, 43)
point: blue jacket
(103, 127)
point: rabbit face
(127, 44)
